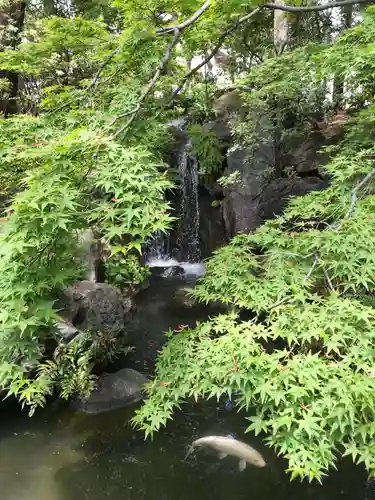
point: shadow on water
(59, 455)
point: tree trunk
(280, 39)
(280, 30)
(12, 18)
(338, 82)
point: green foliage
(39, 245)
(304, 364)
(74, 171)
(70, 369)
(230, 180)
(86, 154)
(206, 147)
(124, 271)
(302, 369)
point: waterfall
(188, 233)
(158, 247)
(182, 247)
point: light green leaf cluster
(302, 367)
(206, 148)
(39, 245)
(125, 271)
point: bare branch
(91, 84)
(242, 20)
(178, 29)
(355, 191)
(328, 279)
(188, 22)
(152, 82)
(122, 115)
(280, 302)
(101, 67)
(312, 8)
(219, 43)
(315, 263)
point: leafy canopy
(101, 82)
(302, 368)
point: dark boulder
(182, 298)
(168, 271)
(221, 130)
(305, 155)
(113, 390)
(241, 196)
(254, 197)
(171, 272)
(97, 307)
(276, 194)
(136, 288)
(271, 168)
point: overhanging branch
(178, 29)
(244, 19)
(101, 67)
(185, 24)
(313, 8)
(219, 43)
(168, 54)
(355, 190)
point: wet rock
(183, 299)
(221, 130)
(276, 194)
(255, 195)
(66, 331)
(229, 104)
(212, 233)
(168, 272)
(306, 155)
(244, 212)
(97, 307)
(137, 288)
(113, 390)
(260, 186)
(241, 196)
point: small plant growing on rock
(122, 271)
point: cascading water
(158, 247)
(188, 236)
(183, 248)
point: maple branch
(316, 260)
(280, 302)
(313, 8)
(355, 191)
(328, 279)
(152, 82)
(101, 67)
(242, 20)
(178, 29)
(213, 52)
(188, 22)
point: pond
(61, 455)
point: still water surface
(59, 455)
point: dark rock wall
(266, 176)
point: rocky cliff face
(267, 175)
(263, 177)
(255, 196)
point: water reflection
(58, 455)
(61, 456)
(31, 453)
